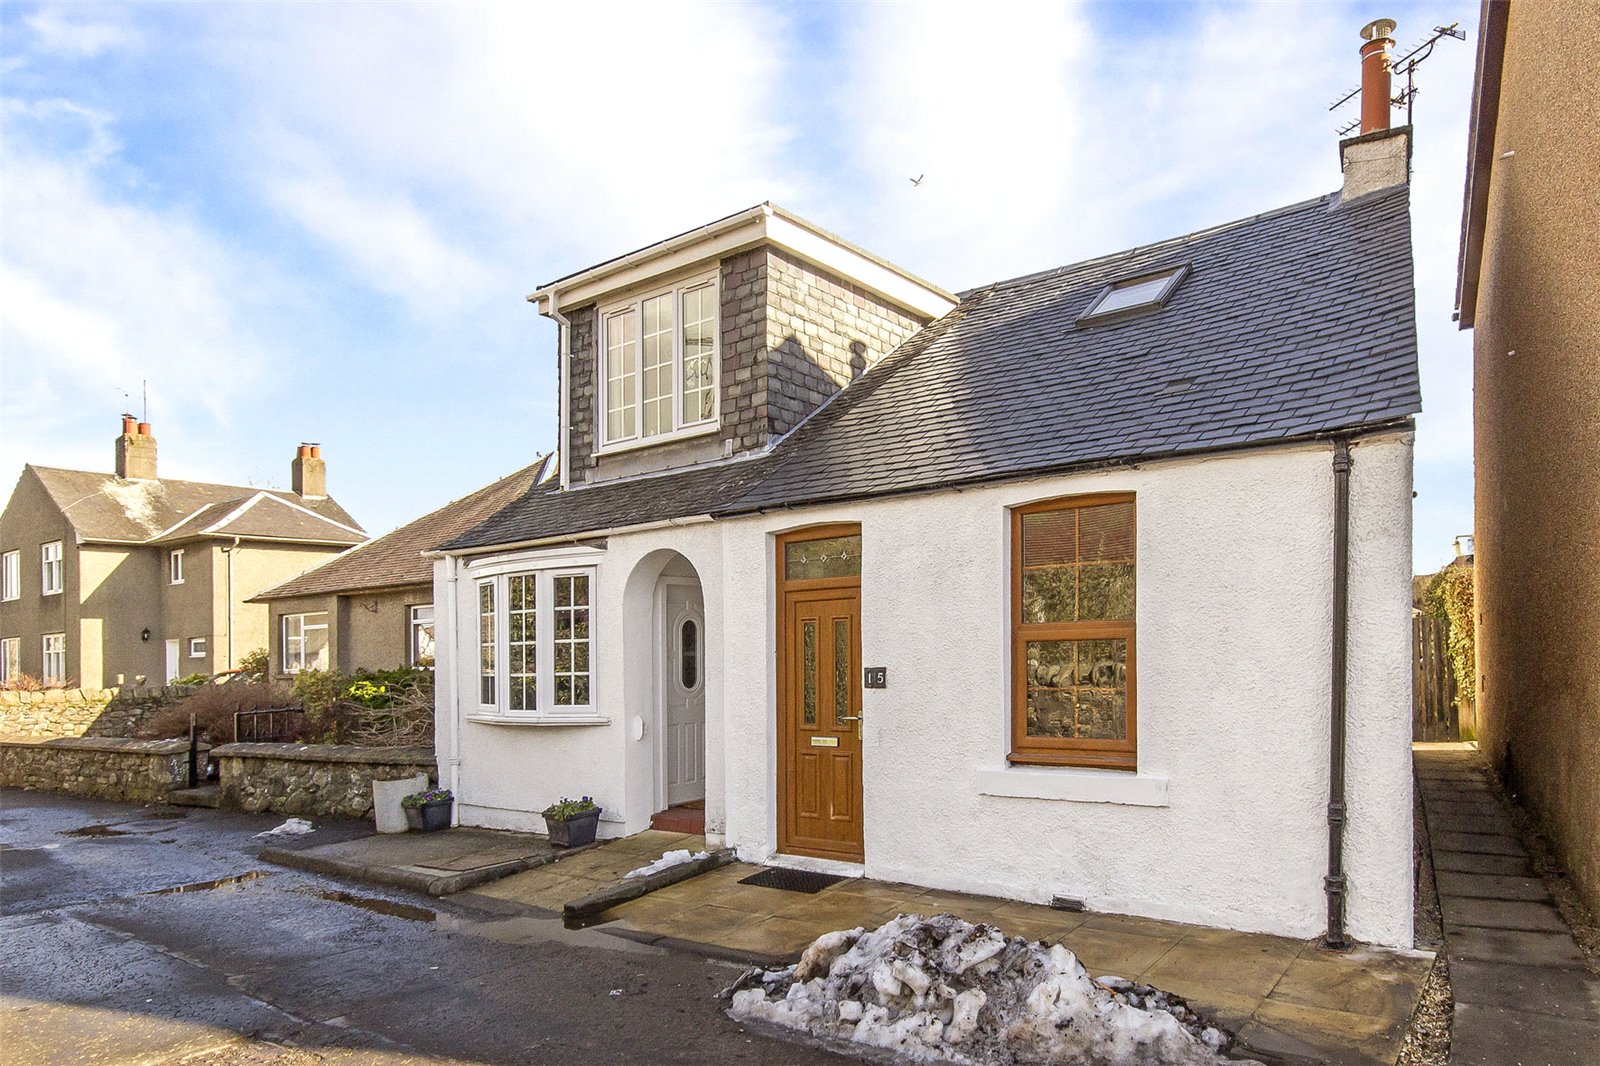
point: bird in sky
(918, 179)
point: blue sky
(318, 222)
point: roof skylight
(1130, 295)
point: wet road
(145, 935)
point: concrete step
(204, 796)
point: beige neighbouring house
(371, 608)
(1530, 291)
(127, 578)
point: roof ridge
(1204, 231)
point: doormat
(791, 880)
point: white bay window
(534, 640)
(658, 357)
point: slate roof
(104, 507)
(395, 559)
(1290, 324)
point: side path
(1524, 992)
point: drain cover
(791, 880)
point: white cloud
(56, 32)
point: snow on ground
(944, 990)
(667, 862)
(292, 828)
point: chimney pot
(144, 429)
(1375, 68)
(130, 425)
(316, 451)
(136, 451)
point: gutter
(1334, 883)
(1493, 22)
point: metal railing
(273, 725)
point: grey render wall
(29, 521)
(366, 630)
(792, 336)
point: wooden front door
(819, 697)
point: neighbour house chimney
(310, 472)
(1379, 157)
(136, 450)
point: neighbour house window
(1131, 295)
(538, 625)
(55, 657)
(10, 575)
(50, 568)
(420, 639)
(197, 647)
(175, 567)
(1072, 624)
(10, 658)
(658, 357)
(305, 642)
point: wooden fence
(1433, 685)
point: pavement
(1286, 1000)
(156, 935)
(1524, 991)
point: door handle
(847, 718)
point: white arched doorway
(681, 688)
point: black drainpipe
(1334, 883)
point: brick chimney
(1378, 157)
(310, 472)
(136, 450)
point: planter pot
(413, 818)
(386, 797)
(435, 816)
(574, 832)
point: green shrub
(1450, 597)
(254, 662)
(564, 810)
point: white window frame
(296, 663)
(10, 658)
(680, 429)
(59, 653)
(545, 710)
(51, 569)
(11, 575)
(175, 566)
(413, 620)
(197, 647)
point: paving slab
(1479, 843)
(1470, 862)
(1517, 946)
(437, 864)
(1465, 912)
(1563, 991)
(1484, 1036)
(1477, 822)
(1490, 886)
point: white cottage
(1089, 585)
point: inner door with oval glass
(683, 693)
(819, 694)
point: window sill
(1076, 786)
(636, 444)
(541, 720)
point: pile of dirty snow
(944, 990)
(667, 862)
(294, 827)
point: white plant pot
(386, 796)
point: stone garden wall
(77, 712)
(133, 771)
(326, 779)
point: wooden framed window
(1072, 632)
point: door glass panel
(808, 668)
(841, 668)
(831, 557)
(689, 654)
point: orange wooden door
(819, 720)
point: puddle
(206, 886)
(95, 831)
(526, 930)
(382, 906)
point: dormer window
(658, 360)
(1129, 296)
